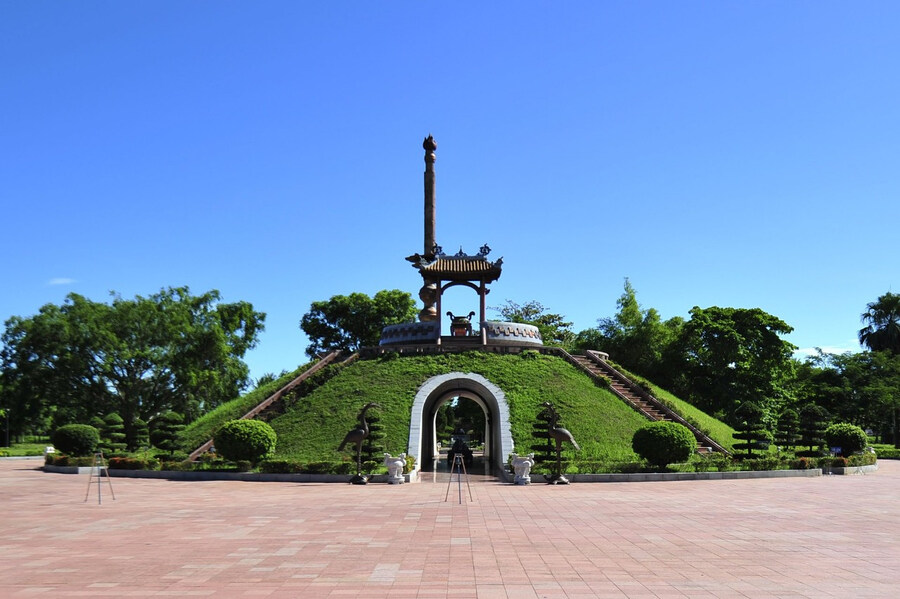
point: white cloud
(60, 281)
(828, 349)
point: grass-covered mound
(202, 430)
(313, 426)
(720, 432)
(317, 416)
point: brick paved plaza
(834, 536)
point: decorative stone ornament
(522, 466)
(395, 468)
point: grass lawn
(718, 430)
(25, 449)
(315, 419)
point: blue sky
(716, 153)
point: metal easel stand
(460, 467)
(97, 469)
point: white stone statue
(522, 467)
(395, 468)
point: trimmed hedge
(133, 463)
(76, 439)
(245, 440)
(662, 443)
(849, 437)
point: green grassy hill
(718, 430)
(315, 420)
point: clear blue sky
(716, 153)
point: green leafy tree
(861, 388)
(882, 320)
(112, 434)
(635, 337)
(372, 450)
(348, 322)
(849, 437)
(543, 447)
(554, 328)
(267, 378)
(788, 432)
(140, 435)
(76, 439)
(245, 440)
(751, 429)
(725, 357)
(662, 443)
(813, 422)
(164, 430)
(135, 357)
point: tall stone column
(429, 291)
(430, 146)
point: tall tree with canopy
(348, 322)
(635, 337)
(727, 356)
(554, 328)
(882, 320)
(135, 357)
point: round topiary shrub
(250, 440)
(849, 437)
(663, 443)
(76, 439)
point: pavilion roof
(459, 268)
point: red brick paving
(834, 536)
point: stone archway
(437, 390)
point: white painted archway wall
(438, 387)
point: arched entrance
(437, 390)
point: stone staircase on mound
(270, 401)
(594, 364)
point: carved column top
(430, 146)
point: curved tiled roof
(458, 268)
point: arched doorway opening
(457, 387)
(461, 422)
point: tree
(245, 440)
(788, 432)
(112, 434)
(882, 320)
(813, 422)
(140, 435)
(848, 437)
(372, 450)
(164, 430)
(348, 322)
(543, 448)
(135, 357)
(635, 337)
(724, 357)
(662, 443)
(76, 439)
(861, 388)
(554, 328)
(751, 429)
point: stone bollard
(395, 468)
(522, 467)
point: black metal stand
(557, 478)
(459, 466)
(97, 469)
(359, 479)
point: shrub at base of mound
(250, 440)
(133, 463)
(664, 443)
(850, 438)
(76, 439)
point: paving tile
(762, 538)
